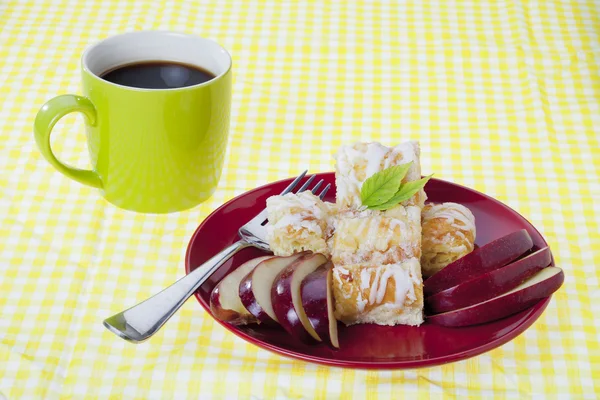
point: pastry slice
(448, 233)
(388, 294)
(356, 163)
(377, 237)
(298, 222)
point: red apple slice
(225, 303)
(286, 298)
(317, 301)
(493, 255)
(539, 286)
(489, 285)
(255, 287)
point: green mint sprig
(384, 189)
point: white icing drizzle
(306, 202)
(375, 236)
(403, 278)
(409, 152)
(446, 239)
(415, 277)
(460, 249)
(360, 303)
(370, 158)
(374, 156)
(452, 212)
(460, 234)
(365, 278)
(387, 274)
(375, 286)
(336, 276)
(302, 211)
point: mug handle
(45, 120)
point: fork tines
(306, 184)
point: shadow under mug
(151, 150)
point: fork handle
(143, 320)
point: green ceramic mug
(152, 150)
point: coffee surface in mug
(157, 75)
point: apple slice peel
(225, 303)
(493, 255)
(255, 288)
(286, 297)
(539, 286)
(317, 300)
(490, 284)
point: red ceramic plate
(369, 346)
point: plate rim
(536, 310)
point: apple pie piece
(356, 163)
(387, 294)
(448, 233)
(298, 222)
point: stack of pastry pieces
(376, 254)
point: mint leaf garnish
(406, 191)
(383, 185)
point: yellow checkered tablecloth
(503, 95)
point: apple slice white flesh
(317, 300)
(286, 298)
(255, 288)
(225, 303)
(495, 254)
(539, 286)
(490, 284)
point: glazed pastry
(448, 233)
(356, 163)
(377, 274)
(298, 222)
(387, 294)
(377, 237)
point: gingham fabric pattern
(504, 97)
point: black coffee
(157, 75)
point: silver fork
(143, 320)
